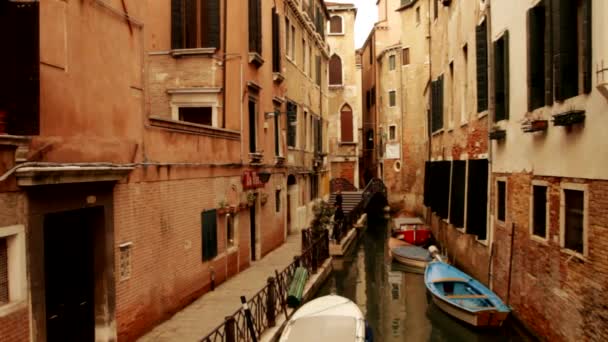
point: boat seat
(443, 280)
(466, 296)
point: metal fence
(260, 312)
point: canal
(396, 303)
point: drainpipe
(490, 118)
(428, 112)
(225, 46)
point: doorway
(252, 232)
(69, 274)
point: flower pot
(535, 126)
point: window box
(569, 118)
(279, 160)
(255, 157)
(534, 126)
(498, 134)
(256, 59)
(278, 77)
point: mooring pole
(250, 326)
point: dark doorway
(69, 274)
(252, 235)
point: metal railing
(265, 306)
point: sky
(367, 15)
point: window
(457, 193)
(4, 299)
(253, 122)
(481, 36)
(405, 56)
(571, 50)
(320, 22)
(293, 43)
(304, 140)
(276, 41)
(435, 8)
(392, 98)
(573, 219)
(310, 60)
(277, 132)
(440, 187)
(197, 115)
(418, 15)
(536, 65)
(230, 236)
(452, 93)
(392, 132)
(319, 136)
(318, 69)
(292, 122)
(287, 37)
(391, 62)
(539, 211)
(209, 234)
(125, 261)
(314, 187)
(255, 26)
(277, 201)
(20, 88)
(437, 104)
(335, 25)
(195, 24)
(335, 70)
(346, 124)
(501, 200)
(304, 62)
(477, 198)
(464, 90)
(501, 77)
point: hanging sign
(251, 180)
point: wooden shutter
(506, 72)
(457, 194)
(20, 89)
(587, 43)
(536, 67)
(276, 42)
(291, 124)
(335, 70)
(565, 49)
(548, 52)
(318, 68)
(191, 28)
(210, 23)
(209, 234)
(346, 124)
(335, 24)
(255, 27)
(477, 198)
(501, 77)
(481, 44)
(177, 24)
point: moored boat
(327, 318)
(411, 230)
(463, 297)
(414, 257)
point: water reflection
(396, 303)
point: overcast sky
(367, 15)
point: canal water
(396, 303)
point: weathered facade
(344, 94)
(549, 182)
(167, 167)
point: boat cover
(412, 252)
(322, 328)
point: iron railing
(265, 306)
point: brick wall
(15, 327)
(343, 170)
(559, 296)
(162, 220)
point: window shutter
(335, 24)
(427, 183)
(276, 43)
(291, 124)
(318, 62)
(477, 197)
(320, 136)
(335, 70)
(457, 194)
(565, 49)
(21, 79)
(191, 25)
(255, 28)
(346, 124)
(210, 23)
(482, 66)
(536, 68)
(548, 52)
(505, 59)
(587, 42)
(177, 24)
(209, 234)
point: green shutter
(536, 67)
(210, 23)
(276, 43)
(548, 52)
(209, 234)
(191, 25)
(481, 44)
(177, 24)
(587, 43)
(506, 68)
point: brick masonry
(344, 170)
(559, 296)
(15, 326)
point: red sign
(251, 180)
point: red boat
(411, 230)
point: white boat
(328, 318)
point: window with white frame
(539, 210)
(392, 98)
(195, 105)
(573, 214)
(13, 284)
(501, 200)
(125, 261)
(392, 132)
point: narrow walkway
(198, 319)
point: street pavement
(198, 319)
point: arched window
(335, 70)
(346, 124)
(335, 24)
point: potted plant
(534, 123)
(321, 221)
(222, 207)
(569, 118)
(251, 196)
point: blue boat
(463, 297)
